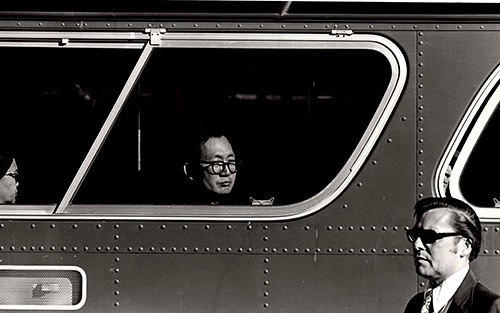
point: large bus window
(54, 102)
(479, 182)
(294, 117)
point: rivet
(415, 26)
(62, 248)
(140, 249)
(384, 228)
(129, 249)
(98, 226)
(32, 226)
(361, 228)
(140, 226)
(117, 237)
(228, 249)
(485, 229)
(351, 250)
(261, 25)
(12, 248)
(329, 250)
(285, 250)
(228, 227)
(266, 260)
(116, 304)
(173, 249)
(420, 108)
(360, 184)
(362, 250)
(116, 226)
(115, 248)
(373, 250)
(108, 24)
(266, 272)
(420, 130)
(23, 248)
(393, 26)
(284, 227)
(116, 281)
(346, 26)
(40, 24)
(265, 294)
(374, 162)
(437, 26)
(98, 249)
(296, 250)
(340, 250)
(339, 228)
(420, 151)
(420, 196)
(420, 64)
(344, 206)
(240, 249)
(395, 250)
(265, 227)
(184, 226)
(373, 228)
(420, 185)
(282, 25)
(422, 284)
(130, 25)
(407, 251)
(305, 26)
(459, 27)
(306, 250)
(249, 227)
(486, 252)
(389, 140)
(217, 249)
(18, 24)
(497, 228)
(482, 27)
(173, 25)
(420, 33)
(384, 250)
(274, 250)
(421, 75)
(266, 282)
(306, 228)
(184, 249)
(74, 226)
(265, 238)
(403, 118)
(163, 226)
(329, 227)
(41, 248)
(152, 249)
(239, 25)
(497, 251)
(266, 305)
(207, 249)
(371, 26)
(207, 226)
(420, 173)
(318, 250)
(195, 249)
(395, 228)
(420, 140)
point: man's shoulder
(415, 303)
(486, 298)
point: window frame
(468, 133)
(165, 40)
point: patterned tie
(426, 306)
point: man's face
(218, 149)
(439, 260)
(8, 185)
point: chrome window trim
(484, 104)
(372, 133)
(48, 268)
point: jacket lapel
(463, 299)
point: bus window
(479, 182)
(294, 117)
(54, 102)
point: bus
(342, 113)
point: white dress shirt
(443, 293)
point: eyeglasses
(217, 167)
(14, 175)
(427, 236)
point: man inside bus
(8, 182)
(211, 168)
(446, 238)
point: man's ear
(466, 248)
(187, 171)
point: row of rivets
(420, 118)
(116, 282)
(265, 282)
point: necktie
(426, 306)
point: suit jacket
(471, 297)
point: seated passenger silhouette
(8, 181)
(211, 168)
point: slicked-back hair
(463, 219)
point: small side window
(54, 101)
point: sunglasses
(427, 236)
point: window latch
(155, 35)
(342, 33)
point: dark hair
(201, 136)
(463, 219)
(6, 158)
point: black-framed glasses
(427, 236)
(14, 175)
(217, 167)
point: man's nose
(225, 171)
(418, 244)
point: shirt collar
(442, 294)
